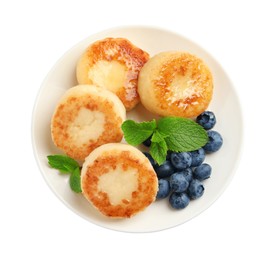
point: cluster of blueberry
(181, 175)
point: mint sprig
(67, 165)
(169, 133)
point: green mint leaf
(62, 163)
(158, 151)
(68, 165)
(75, 180)
(183, 134)
(136, 133)
(158, 137)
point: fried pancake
(114, 64)
(118, 180)
(85, 118)
(175, 84)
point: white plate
(159, 215)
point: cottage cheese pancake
(114, 64)
(85, 118)
(175, 84)
(118, 180)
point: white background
(36, 225)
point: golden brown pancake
(85, 118)
(114, 64)
(118, 180)
(175, 84)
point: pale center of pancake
(119, 184)
(88, 125)
(108, 74)
(181, 88)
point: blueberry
(202, 172)
(181, 160)
(164, 170)
(178, 200)
(198, 156)
(147, 142)
(163, 189)
(153, 163)
(195, 189)
(207, 120)
(178, 182)
(187, 174)
(214, 143)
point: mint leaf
(75, 180)
(68, 165)
(136, 133)
(62, 163)
(158, 137)
(158, 151)
(182, 134)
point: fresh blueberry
(202, 172)
(153, 163)
(163, 189)
(147, 142)
(187, 174)
(195, 189)
(178, 200)
(164, 170)
(178, 182)
(207, 120)
(215, 141)
(181, 160)
(198, 156)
